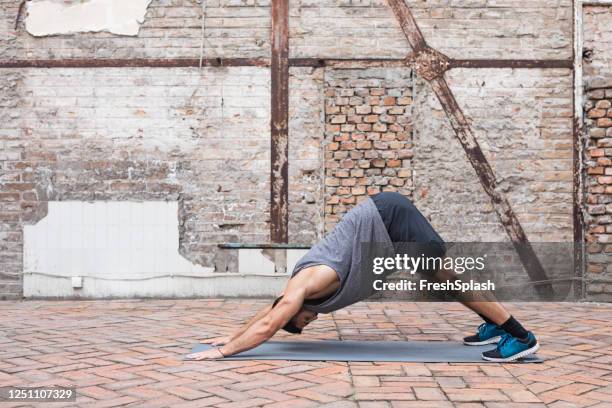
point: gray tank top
(349, 249)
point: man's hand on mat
(217, 341)
(211, 354)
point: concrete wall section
(167, 287)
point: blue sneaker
(512, 348)
(488, 333)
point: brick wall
(598, 152)
(528, 143)
(306, 130)
(597, 30)
(522, 120)
(140, 134)
(458, 28)
(171, 28)
(15, 185)
(368, 132)
(599, 191)
(151, 134)
(319, 28)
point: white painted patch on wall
(49, 17)
(110, 241)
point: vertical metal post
(279, 157)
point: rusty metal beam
(408, 24)
(511, 63)
(346, 62)
(265, 62)
(279, 142)
(135, 63)
(431, 65)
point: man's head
(299, 321)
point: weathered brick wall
(599, 191)
(368, 132)
(458, 28)
(151, 134)
(598, 153)
(171, 28)
(15, 185)
(597, 31)
(522, 119)
(306, 129)
(318, 28)
(527, 141)
(146, 134)
(140, 134)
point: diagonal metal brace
(431, 65)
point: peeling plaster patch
(50, 17)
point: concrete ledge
(237, 245)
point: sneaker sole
(482, 343)
(522, 354)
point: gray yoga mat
(351, 350)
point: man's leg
(494, 314)
(486, 306)
(406, 225)
(490, 312)
(514, 341)
(483, 303)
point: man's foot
(488, 333)
(512, 348)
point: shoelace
(481, 328)
(504, 339)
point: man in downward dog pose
(329, 277)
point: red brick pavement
(127, 353)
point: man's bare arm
(264, 328)
(317, 281)
(248, 324)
